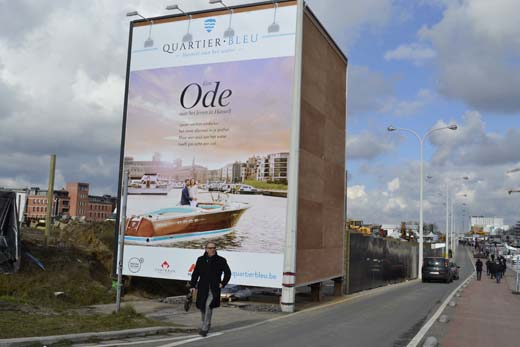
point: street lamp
(421, 179)
(229, 32)
(449, 226)
(187, 37)
(149, 41)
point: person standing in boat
(193, 190)
(211, 273)
(185, 194)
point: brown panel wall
(322, 158)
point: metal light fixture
(229, 32)
(274, 27)
(421, 179)
(188, 37)
(148, 42)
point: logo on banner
(164, 268)
(209, 24)
(134, 264)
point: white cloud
(472, 145)
(356, 192)
(395, 204)
(414, 52)
(367, 145)
(368, 90)
(478, 49)
(345, 20)
(393, 185)
(409, 107)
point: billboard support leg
(316, 292)
(339, 286)
(289, 267)
(120, 241)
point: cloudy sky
(413, 64)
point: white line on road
(375, 291)
(191, 340)
(141, 342)
(417, 338)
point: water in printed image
(261, 227)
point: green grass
(23, 324)
(265, 185)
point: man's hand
(192, 290)
(220, 285)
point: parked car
(436, 269)
(235, 292)
(247, 189)
(455, 270)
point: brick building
(37, 203)
(73, 201)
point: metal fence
(376, 262)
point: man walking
(207, 278)
(478, 266)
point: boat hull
(147, 229)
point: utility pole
(50, 198)
(121, 241)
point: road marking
(141, 342)
(375, 291)
(417, 338)
(192, 340)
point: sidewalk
(487, 314)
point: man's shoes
(203, 333)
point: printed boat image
(184, 223)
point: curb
(90, 337)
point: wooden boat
(184, 223)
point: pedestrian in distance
(185, 194)
(478, 266)
(211, 274)
(492, 269)
(498, 270)
(488, 267)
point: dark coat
(478, 265)
(185, 197)
(208, 274)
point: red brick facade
(74, 201)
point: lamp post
(421, 184)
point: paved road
(390, 317)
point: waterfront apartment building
(273, 167)
(170, 170)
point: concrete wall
(321, 184)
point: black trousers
(479, 275)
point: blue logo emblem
(209, 24)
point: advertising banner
(207, 142)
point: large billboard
(209, 100)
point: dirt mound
(78, 270)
